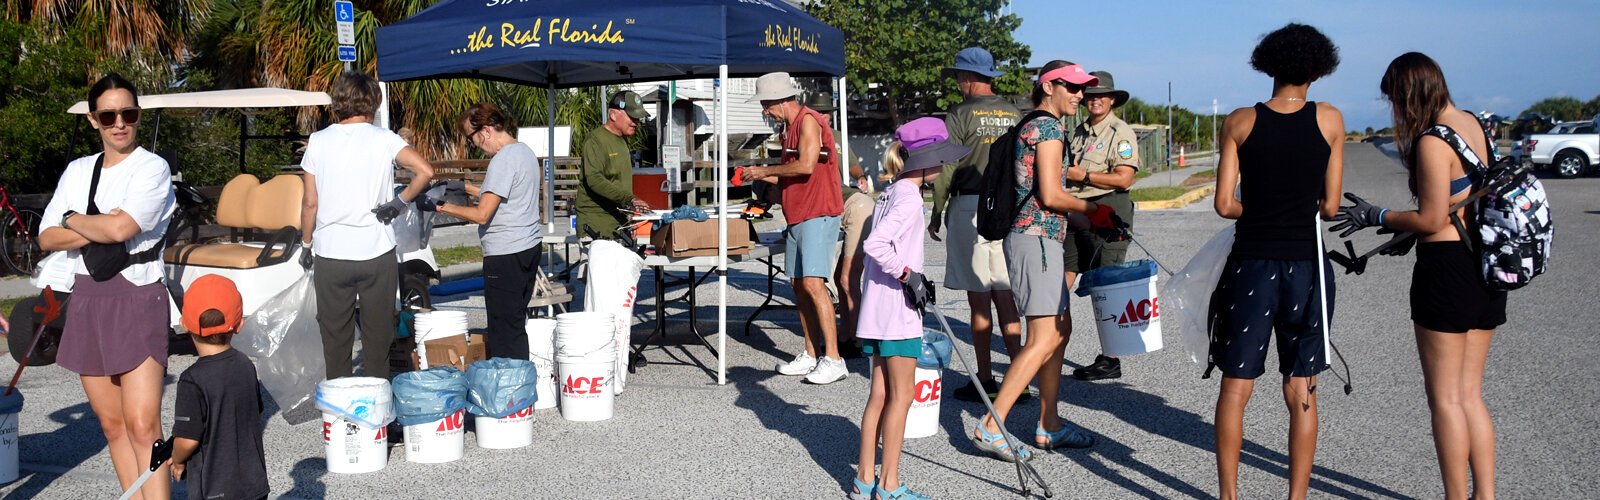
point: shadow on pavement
(78, 440)
(307, 476)
(829, 439)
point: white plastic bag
(1187, 296)
(611, 288)
(284, 341)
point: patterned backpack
(1511, 212)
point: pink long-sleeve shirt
(894, 244)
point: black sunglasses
(1072, 88)
(108, 117)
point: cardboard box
(455, 351)
(687, 238)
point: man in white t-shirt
(352, 161)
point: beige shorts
(972, 263)
(855, 221)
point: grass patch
(7, 304)
(1142, 173)
(1208, 174)
(457, 255)
(1162, 193)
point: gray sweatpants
(342, 285)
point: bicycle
(19, 241)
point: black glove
(1356, 217)
(305, 255)
(388, 211)
(427, 203)
(918, 290)
(1407, 240)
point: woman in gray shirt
(507, 215)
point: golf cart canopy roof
(240, 98)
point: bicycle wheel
(19, 246)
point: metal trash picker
(160, 452)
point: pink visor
(1072, 73)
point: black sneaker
(968, 393)
(1104, 367)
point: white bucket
(353, 448)
(542, 351)
(9, 434)
(1128, 317)
(512, 431)
(579, 333)
(923, 418)
(440, 441)
(586, 386)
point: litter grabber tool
(160, 452)
(1322, 294)
(51, 309)
(1357, 264)
(1026, 474)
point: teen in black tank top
(1282, 168)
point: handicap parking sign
(344, 12)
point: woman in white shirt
(348, 231)
(115, 337)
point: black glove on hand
(1356, 217)
(388, 211)
(1407, 240)
(918, 290)
(427, 203)
(305, 255)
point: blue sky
(1499, 56)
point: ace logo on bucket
(927, 391)
(1138, 313)
(451, 423)
(584, 386)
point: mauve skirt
(113, 326)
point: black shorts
(1448, 293)
(1255, 297)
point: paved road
(677, 435)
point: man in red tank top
(809, 179)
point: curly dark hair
(1295, 54)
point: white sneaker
(801, 365)
(829, 370)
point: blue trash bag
(428, 395)
(1114, 274)
(12, 403)
(936, 350)
(499, 387)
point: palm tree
(292, 44)
(128, 26)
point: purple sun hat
(929, 144)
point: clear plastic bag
(284, 341)
(1187, 296)
(499, 387)
(427, 395)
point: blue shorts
(809, 247)
(1256, 297)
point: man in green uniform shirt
(1107, 154)
(973, 264)
(605, 181)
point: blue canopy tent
(575, 43)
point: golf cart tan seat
(248, 205)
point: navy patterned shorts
(1255, 297)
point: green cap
(629, 102)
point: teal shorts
(907, 348)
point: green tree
(1560, 108)
(900, 46)
(39, 79)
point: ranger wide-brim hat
(821, 102)
(1106, 86)
(929, 144)
(774, 87)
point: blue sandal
(996, 445)
(863, 490)
(901, 493)
(1068, 437)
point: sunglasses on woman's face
(108, 117)
(1072, 88)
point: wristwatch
(66, 216)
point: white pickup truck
(1572, 148)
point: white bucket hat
(774, 86)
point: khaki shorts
(1039, 285)
(855, 222)
(972, 263)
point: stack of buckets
(542, 351)
(437, 325)
(355, 413)
(923, 418)
(487, 386)
(10, 432)
(433, 440)
(1127, 316)
(586, 356)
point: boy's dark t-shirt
(219, 406)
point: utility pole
(1169, 133)
(1216, 145)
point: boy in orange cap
(217, 433)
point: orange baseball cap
(212, 292)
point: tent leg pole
(550, 171)
(844, 131)
(722, 225)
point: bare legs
(1041, 356)
(1463, 434)
(983, 324)
(816, 317)
(893, 380)
(129, 409)
(1302, 403)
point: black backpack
(997, 201)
